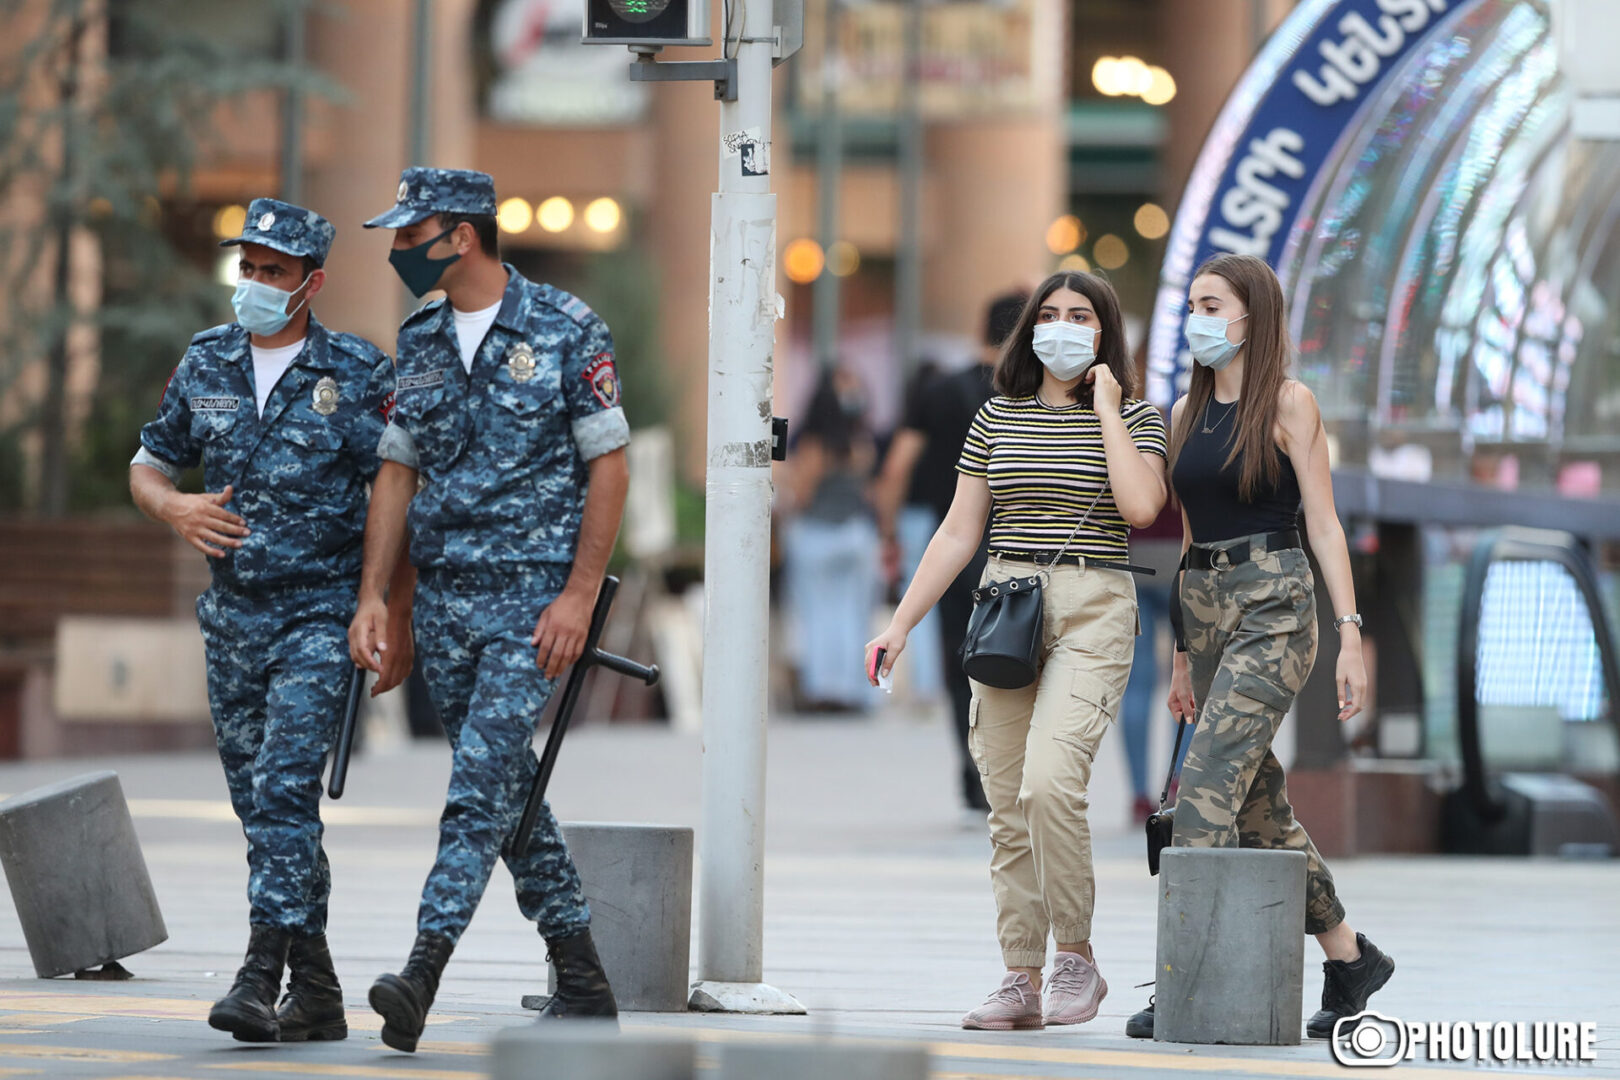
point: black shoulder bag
(1161, 824)
(1003, 643)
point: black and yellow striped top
(1045, 465)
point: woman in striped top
(1062, 463)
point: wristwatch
(1342, 619)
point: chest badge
(326, 396)
(520, 362)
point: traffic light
(647, 22)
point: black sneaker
(1347, 986)
(1140, 1026)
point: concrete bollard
(818, 1059)
(1231, 946)
(638, 881)
(77, 875)
(588, 1050)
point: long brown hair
(1019, 371)
(1265, 370)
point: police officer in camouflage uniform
(284, 417)
(507, 411)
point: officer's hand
(401, 652)
(559, 636)
(1105, 389)
(204, 523)
(368, 636)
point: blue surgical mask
(262, 309)
(1067, 349)
(1206, 337)
(416, 269)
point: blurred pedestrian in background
(1249, 453)
(831, 547)
(922, 462)
(284, 417)
(1067, 462)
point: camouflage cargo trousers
(1251, 641)
(472, 642)
(278, 675)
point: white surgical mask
(1065, 348)
(1206, 337)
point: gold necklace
(1209, 429)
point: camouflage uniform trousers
(472, 641)
(1251, 641)
(278, 677)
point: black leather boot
(582, 985)
(403, 1000)
(249, 1011)
(1347, 986)
(312, 1010)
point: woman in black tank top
(1248, 451)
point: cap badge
(266, 221)
(404, 191)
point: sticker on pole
(754, 151)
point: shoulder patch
(604, 380)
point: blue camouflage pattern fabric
(504, 451)
(289, 229)
(275, 617)
(425, 191)
(300, 471)
(278, 678)
(472, 641)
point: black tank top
(1209, 492)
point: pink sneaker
(1074, 991)
(1015, 1006)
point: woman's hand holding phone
(881, 653)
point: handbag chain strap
(1078, 526)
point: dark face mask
(419, 272)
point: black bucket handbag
(1002, 647)
(1161, 824)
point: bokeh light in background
(603, 215)
(556, 214)
(1110, 252)
(843, 258)
(226, 269)
(1076, 263)
(802, 261)
(1151, 221)
(514, 216)
(228, 222)
(1161, 86)
(1129, 76)
(1065, 234)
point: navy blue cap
(286, 228)
(425, 191)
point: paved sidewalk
(879, 917)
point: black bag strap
(1175, 756)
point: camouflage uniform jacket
(300, 471)
(503, 452)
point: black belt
(1207, 558)
(1044, 559)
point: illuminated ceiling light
(1110, 252)
(1074, 264)
(802, 261)
(603, 215)
(1133, 76)
(228, 222)
(1104, 75)
(1161, 87)
(1065, 234)
(1151, 221)
(514, 215)
(226, 269)
(843, 258)
(555, 214)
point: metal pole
(736, 561)
(830, 164)
(908, 264)
(292, 111)
(421, 82)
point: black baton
(591, 657)
(345, 743)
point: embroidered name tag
(215, 404)
(420, 381)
